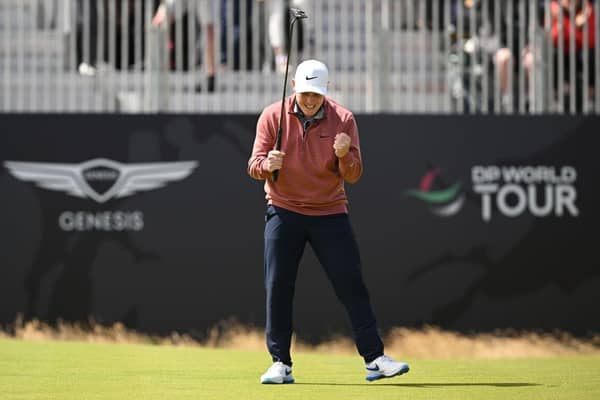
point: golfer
(307, 204)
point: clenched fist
(341, 145)
(274, 160)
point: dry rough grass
(427, 342)
(433, 342)
(92, 332)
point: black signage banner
(468, 223)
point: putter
(296, 15)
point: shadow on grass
(426, 385)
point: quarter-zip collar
(307, 122)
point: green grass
(71, 370)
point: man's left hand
(341, 145)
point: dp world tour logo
(443, 200)
(100, 179)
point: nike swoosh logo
(376, 368)
(288, 371)
(311, 78)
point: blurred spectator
(93, 16)
(512, 25)
(279, 23)
(231, 25)
(504, 57)
(86, 60)
(177, 13)
(472, 35)
(584, 18)
(501, 31)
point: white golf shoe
(278, 373)
(385, 367)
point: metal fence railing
(224, 56)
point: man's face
(309, 102)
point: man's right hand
(274, 160)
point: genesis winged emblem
(123, 179)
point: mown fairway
(61, 370)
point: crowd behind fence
(228, 56)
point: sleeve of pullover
(351, 164)
(263, 143)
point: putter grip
(278, 145)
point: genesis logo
(100, 179)
(444, 202)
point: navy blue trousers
(333, 241)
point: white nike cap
(311, 76)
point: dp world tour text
(514, 190)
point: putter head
(298, 13)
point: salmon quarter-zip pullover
(311, 180)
